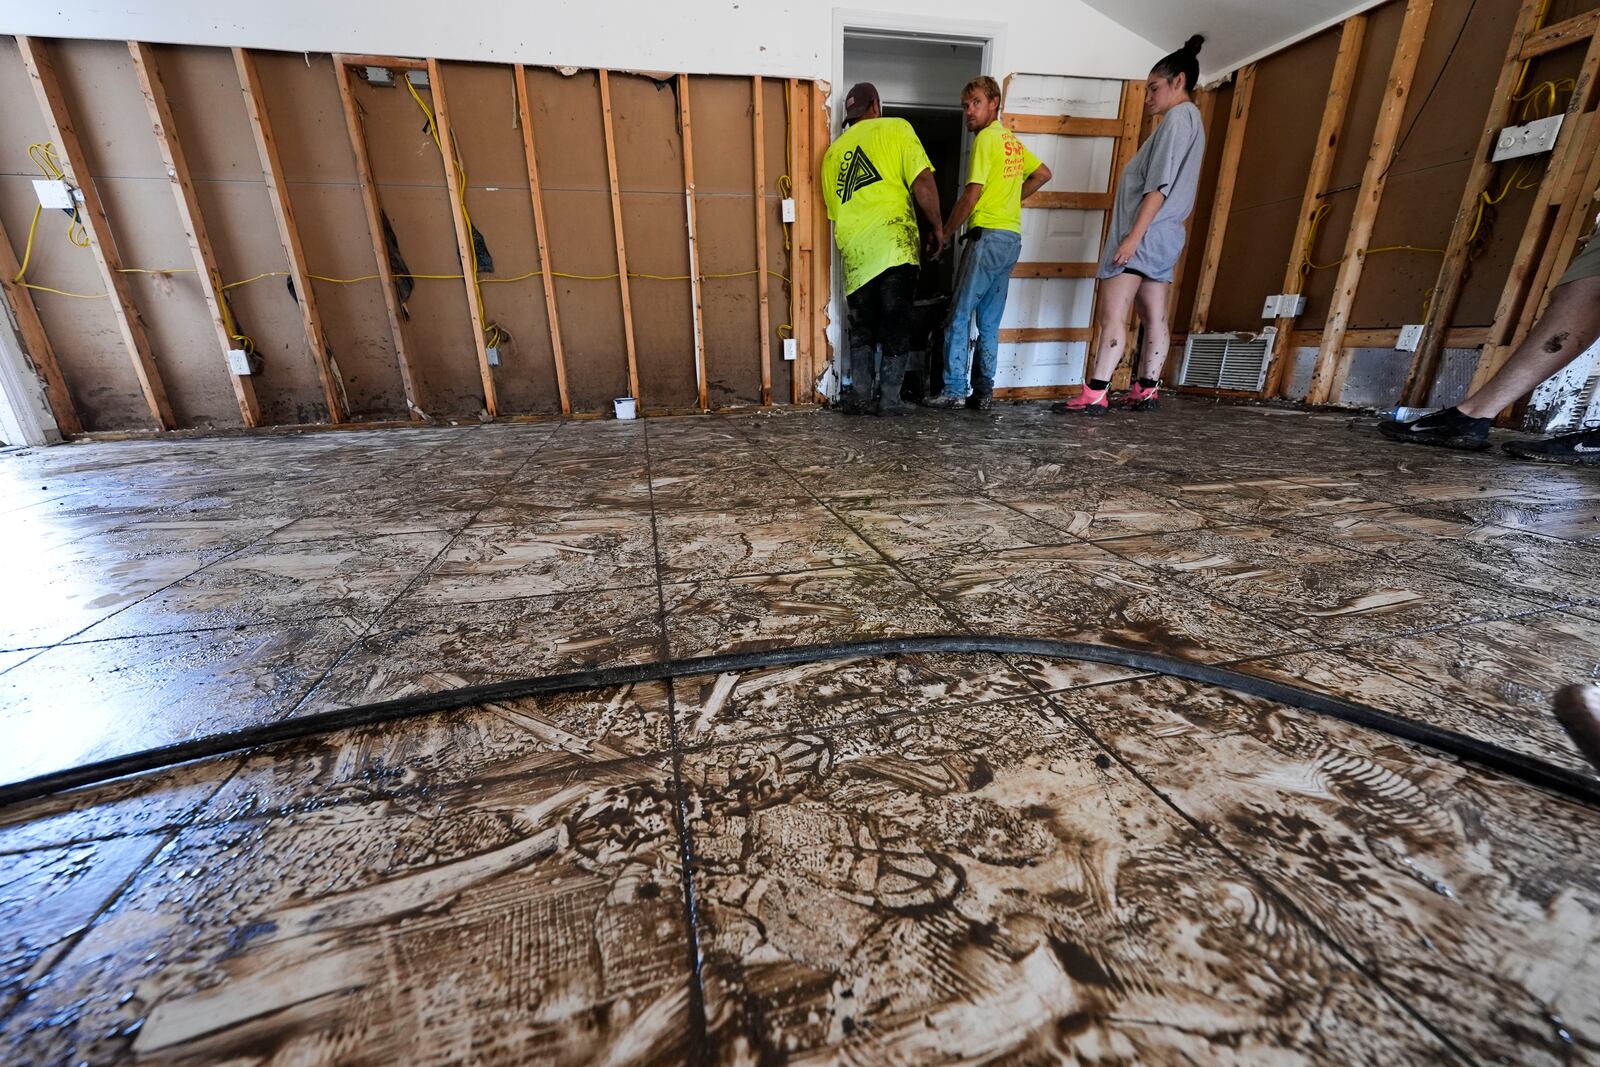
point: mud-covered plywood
(319, 172)
(96, 366)
(1281, 134)
(484, 117)
(570, 143)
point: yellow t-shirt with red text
(1000, 163)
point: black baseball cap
(859, 100)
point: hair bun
(1192, 45)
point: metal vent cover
(1235, 361)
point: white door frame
(991, 36)
(25, 417)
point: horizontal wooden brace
(1064, 125)
(1031, 334)
(1577, 29)
(1080, 201)
(393, 62)
(1055, 270)
(1459, 337)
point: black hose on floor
(1535, 772)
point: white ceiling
(1236, 31)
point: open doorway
(919, 77)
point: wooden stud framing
(37, 343)
(1072, 201)
(283, 212)
(1453, 271)
(791, 132)
(1554, 38)
(1327, 379)
(1055, 270)
(1222, 203)
(622, 248)
(546, 271)
(803, 240)
(1351, 36)
(820, 268)
(193, 220)
(1389, 337)
(344, 59)
(1130, 115)
(380, 249)
(696, 295)
(1026, 334)
(1065, 125)
(47, 88)
(765, 314)
(464, 243)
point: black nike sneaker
(1443, 429)
(1581, 448)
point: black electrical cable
(1535, 772)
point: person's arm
(963, 209)
(1035, 181)
(926, 194)
(1148, 208)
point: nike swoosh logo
(1584, 448)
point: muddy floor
(916, 859)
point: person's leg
(1001, 255)
(1566, 330)
(895, 298)
(863, 330)
(970, 283)
(1151, 302)
(1115, 297)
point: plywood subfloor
(921, 859)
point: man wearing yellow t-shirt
(1003, 174)
(870, 176)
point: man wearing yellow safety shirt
(1003, 174)
(870, 175)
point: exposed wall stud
(695, 295)
(37, 343)
(761, 243)
(1222, 203)
(546, 271)
(622, 248)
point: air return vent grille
(1227, 360)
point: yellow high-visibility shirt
(866, 183)
(1000, 163)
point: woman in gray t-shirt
(1145, 234)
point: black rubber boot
(891, 377)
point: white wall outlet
(239, 362)
(788, 209)
(53, 194)
(791, 349)
(1528, 140)
(494, 355)
(1410, 338)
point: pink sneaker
(1138, 398)
(1087, 402)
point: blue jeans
(980, 291)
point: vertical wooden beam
(546, 271)
(1453, 271)
(454, 176)
(821, 240)
(1222, 203)
(192, 219)
(1327, 379)
(800, 268)
(1351, 36)
(695, 295)
(622, 247)
(761, 243)
(380, 248)
(37, 343)
(1131, 116)
(289, 235)
(791, 132)
(1553, 205)
(92, 212)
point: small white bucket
(626, 406)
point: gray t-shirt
(1169, 162)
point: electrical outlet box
(1528, 140)
(494, 355)
(418, 78)
(1270, 309)
(53, 194)
(791, 349)
(788, 209)
(1410, 338)
(239, 362)
(1291, 305)
(379, 76)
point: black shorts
(1137, 274)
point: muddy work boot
(891, 378)
(944, 402)
(980, 401)
(1580, 449)
(1443, 429)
